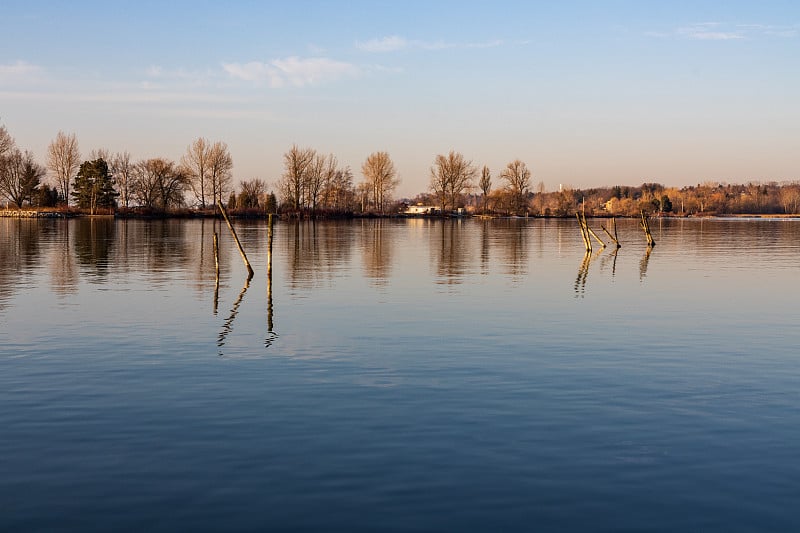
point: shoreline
(49, 213)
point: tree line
(313, 183)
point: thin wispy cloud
(708, 31)
(718, 31)
(158, 76)
(292, 71)
(394, 43)
(19, 71)
(772, 30)
(487, 44)
(117, 96)
(385, 44)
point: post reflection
(612, 257)
(579, 286)
(227, 326)
(644, 262)
(271, 335)
(583, 274)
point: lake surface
(399, 375)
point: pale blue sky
(586, 93)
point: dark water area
(399, 375)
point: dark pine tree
(94, 187)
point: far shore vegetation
(316, 185)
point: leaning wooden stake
(646, 227)
(590, 230)
(614, 236)
(586, 240)
(236, 239)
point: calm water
(403, 375)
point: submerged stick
(236, 239)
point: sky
(587, 94)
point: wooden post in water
(614, 236)
(216, 267)
(236, 239)
(590, 230)
(269, 247)
(586, 241)
(216, 254)
(646, 227)
(270, 325)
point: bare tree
(338, 192)
(485, 185)
(100, 153)
(6, 141)
(158, 183)
(63, 160)
(195, 163)
(450, 175)
(122, 169)
(220, 170)
(20, 175)
(250, 193)
(293, 184)
(380, 174)
(518, 181)
(315, 177)
(328, 176)
(790, 198)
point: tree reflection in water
(378, 250)
(94, 242)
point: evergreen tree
(46, 196)
(272, 203)
(94, 187)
